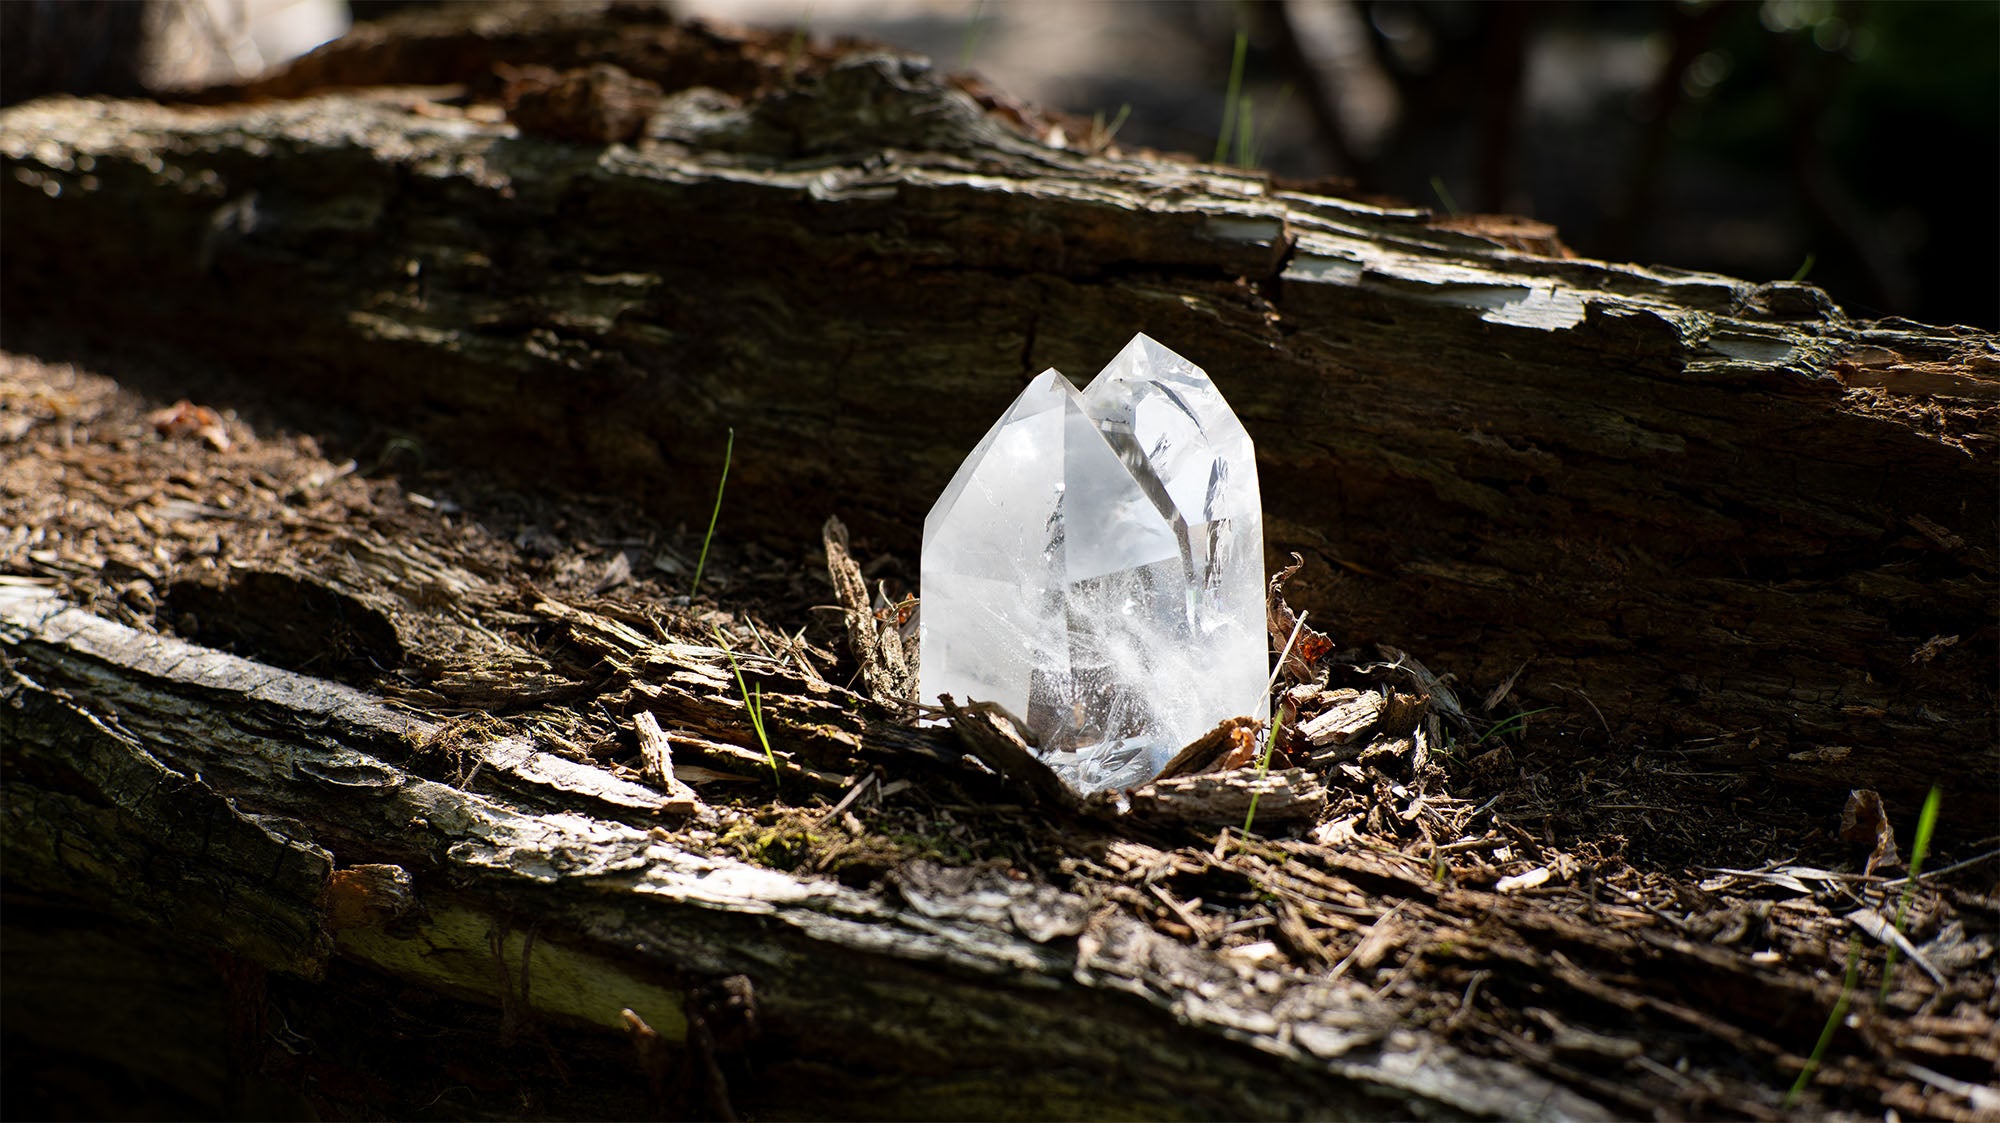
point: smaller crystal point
(1096, 566)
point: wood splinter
(658, 756)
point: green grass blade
(728, 450)
(1256, 159)
(1444, 195)
(1277, 717)
(1920, 847)
(1508, 725)
(1839, 1015)
(1229, 98)
(1117, 122)
(753, 704)
(970, 42)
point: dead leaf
(1865, 822)
(1280, 620)
(617, 571)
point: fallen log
(1696, 509)
(1703, 517)
(270, 893)
(966, 994)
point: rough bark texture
(1715, 516)
(205, 812)
(1710, 508)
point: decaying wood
(1354, 714)
(284, 886)
(1232, 740)
(995, 737)
(1704, 514)
(658, 752)
(1711, 509)
(1281, 796)
(623, 919)
(877, 644)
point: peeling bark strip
(1091, 1013)
(878, 645)
(1704, 507)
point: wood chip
(1225, 797)
(1349, 719)
(1534, 877)
(658, 754)
(995, 741)
(884, 664)
(1206, 752)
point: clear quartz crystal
(1096, 569)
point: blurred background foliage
(1855, 143)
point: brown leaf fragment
(186, 419)
(1242, 754)
(1865, 822)
(1279, 619)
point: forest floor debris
(1433, 870)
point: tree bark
(207, 807)
(1697, 511)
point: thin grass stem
(1444, 195)
(798, 47)
(970, 41)
(1920, 847)
(728, 450)
(753, 703)
(1277, 717)
(1234, 91)
(1520, 719)
(1839, 1015)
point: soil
(1563, 907)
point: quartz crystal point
(1096, 569)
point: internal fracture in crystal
(1096, 568)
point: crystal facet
(1096, 568)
